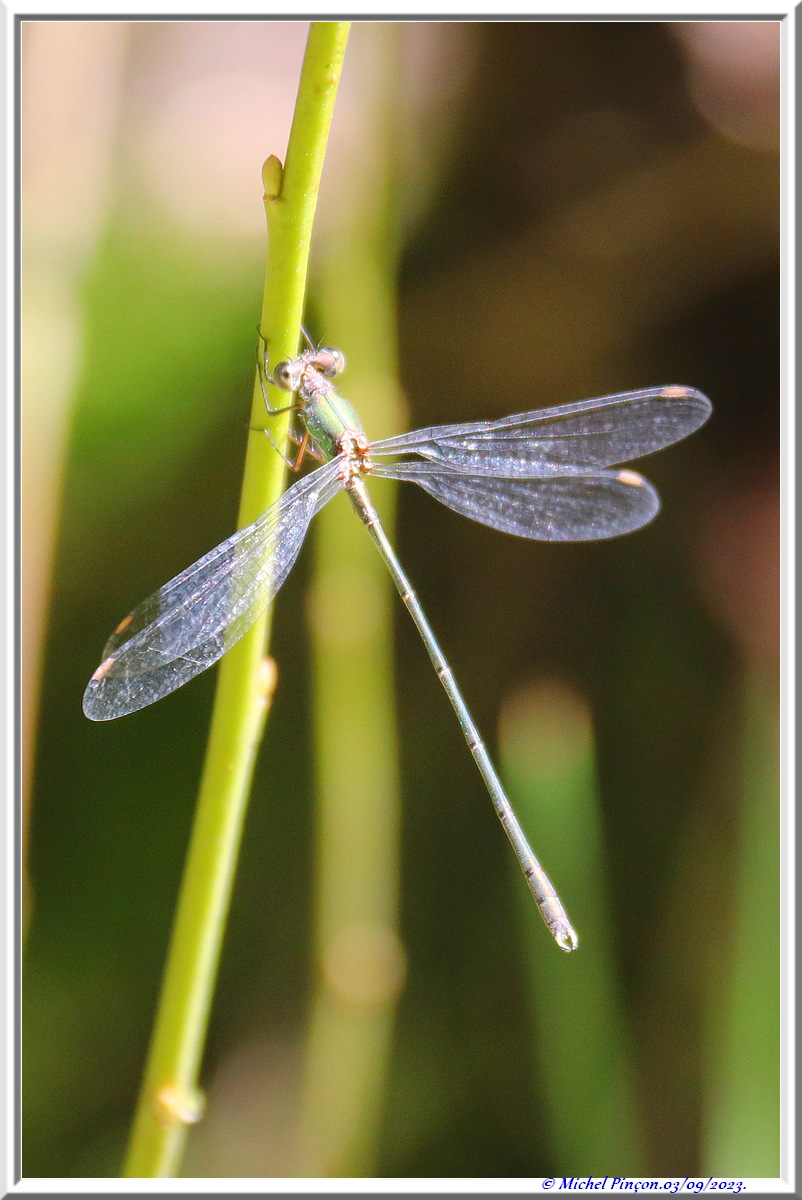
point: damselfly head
(329, 362)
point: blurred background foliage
(580, 208)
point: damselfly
(548, 474)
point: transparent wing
(194, 619)
(562, 508)
(572, 437)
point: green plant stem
(169, 1100)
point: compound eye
(282, 376)
(330, 361)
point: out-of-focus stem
(69, 145)
(742, 1123)
(579, 1021)
(360, 963)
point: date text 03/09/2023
(621, 1183)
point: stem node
(272, 177)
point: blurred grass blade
(71, 142)
(360, 959)
(743, 1096)
(581, 1038)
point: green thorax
(329, 417)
